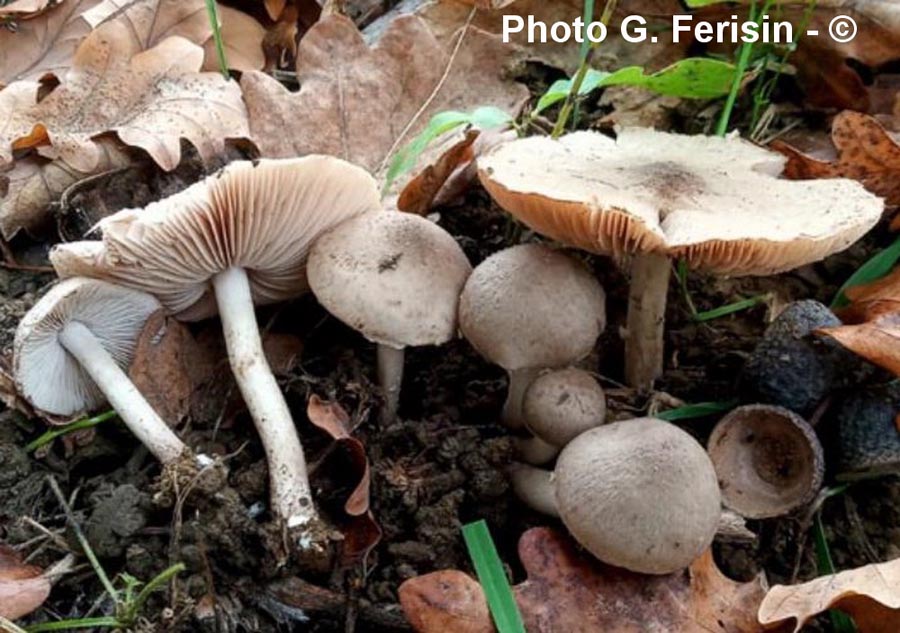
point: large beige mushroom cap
(640, 494)
(394, 277)
(261, 216)
(530, 306)
(716, 202)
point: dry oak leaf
(568, 591)
(151, 101)
(44, 45)
(865, 152)
(242, 37)
(25, 9)
(23, 588)
(149, 22)
(34, 183)
(870, 594)
(15, 100)
(362, 103)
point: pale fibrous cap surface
(261, 216)
(49, 377)
(392, 276)
(560, 405)
(640, 494)
(768, 459)
(717, 202)
(530, 306)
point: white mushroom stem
(535, 450)
(289, 484)
(646, 320)
(534, 486)
(390, 377)
(132, 407)
(519, 381)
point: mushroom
(718, 203)
(528, 308)
(768, 461)
(557, 407)
(238, 238)
(394, 277)
(70, 353)
(639, 494)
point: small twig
(434, 93)
(27, 268)
(68, 192)
(48, 533)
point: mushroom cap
(560, 405)
(258, 215)
(394, 277)
(716, 202)
(48, 376)
(639, 494)
(530, 306)
(768, 460)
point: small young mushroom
(71, 351)
(528, 308)
(640, 494)
(394, 277)
(768, 461)
(717, 203)
(558, 406)
(238, 238)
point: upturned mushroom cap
(768, 460)
(46, 374)
(530, 306)
(639, 494)
(262, 216)
(560, 405)
(394, 277)
(716, 202)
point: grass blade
(213, 13)
(68, 625)
(874, 269)
(699, 410)
(731, 308)
(52, 434)
(492, 578)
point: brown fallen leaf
(15, 99)
(420, 192)
(242, 37)
(23, 588)
(363, 103)
(149, 22)
(280, 40)
(45, 44)
(865, 152)
(34, 183)
(152, 101)
(870, 594)
(25, 9)
(274, 8)
(568, 591)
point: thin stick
(434, 93)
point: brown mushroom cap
(716, 202)
(530, 306)
(560, 405)
(394, 277)
(262, 216)
(768, 460)
(639, 494)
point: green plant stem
(68, 625)
(731, 308)
(213, 13)
(82, 540)
(52, 434)
(492, 577)
(743, 61)
(682, 273)
(571, 98)
(162, 578)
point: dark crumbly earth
(440, 466)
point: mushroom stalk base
(390, 377)
(534, 487)
(646, 320)
(132, 407)
(289, 485)
(519, 381)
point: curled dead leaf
(870, 594)
(23, 588)
(14, 101)
(152, 101)
(865, 152)
(420, 192)
(25, 9)
(568, 591)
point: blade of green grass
(52, 434)
(840, 621)
(492, 578)
(698, 410)
(731, 308)
(68, 625)
(874, 269)
(213, 13)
